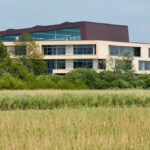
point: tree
(11, 66)
(3, 51)
(28, 52)
(124, 64)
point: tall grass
(11, 100)
(76, 129)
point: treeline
(80, 78)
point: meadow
(54, 99)
(75, 120)
(76, 129)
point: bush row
(76, 79)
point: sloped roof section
(89, 30)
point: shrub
(9, 82)
(86, 76)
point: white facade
(102, 51)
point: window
(137, 51)
(86, 63)
(84, 49)
(55, 64)
(20, 50)
(144, 65)
(120, 50)
(54, 49)
(60, 34)
(123, 64)
(101, 64)
(10, 49)
(140, 65)
(147, 65)
(60, 64)
(149, 52)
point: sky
(135, 14)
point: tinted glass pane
(84, 49)
(120, 50)
(55, 64)
(140, 65)
(54, 49)
(61, 34)
(83, 63)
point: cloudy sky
(28, 13)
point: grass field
(89, 125)
(51, 99)
(76, 129)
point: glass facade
(120, 50)
(54, 49)
(144, 65)
(83, 63)
(60, 34)
(55, 64)
(84, 49)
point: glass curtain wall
(60, 34)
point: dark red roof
(89, 30)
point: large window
(144, 65)
(121, 50)
(86, 63)
(84, 49)
(101, 64)
(54, 49)
(55, 64)
(60, 34)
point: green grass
(51, 99)
(76, 129)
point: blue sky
(28, 13)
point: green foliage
(28, 52)
(69, 99)
(86, 76)
(3, 51)
(125, 64)
(9, 82)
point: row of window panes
(61, 34)
(84, 49)
(54, 49)
(61, 49)
(120, 50)
(85, 63)
(144, 65)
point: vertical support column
(69, 64)
(69, 49)
(95, 63)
